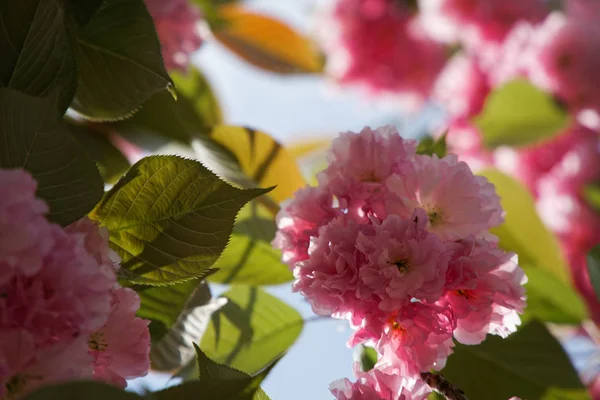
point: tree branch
(441, 385)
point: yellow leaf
(262, 159)
(302, 149)
(265, 42)
(523, 232)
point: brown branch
(441, 385)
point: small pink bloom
(176, 22)
(462, 86)
(368, 45)
(121, 349)
(478, 22)
(300, 219)
(565, 60)
(465, 140)
(457, 202)
(96, 243)
(24, 368)
(381, 383)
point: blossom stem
(441, 385)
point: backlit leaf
(37, 139)
(169, 219)
(593, 266)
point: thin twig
(441, 385)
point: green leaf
(566, 394)
(195, 88)
(249, 257)
(169, 219)
(519, 114)
(185, 310)
(83, 10)
(430, 146)
(593, 267)
(551, 300)
(368, 358)
(251, 330)
(591, 193)
(37, 140)
(526, 364)
(110, 161)
(523, 232)
(81, 390)
(37, 56)
(118, 60)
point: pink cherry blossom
(565, 60)
(457, 202)
(121, 349)
(96, 243)
(69, 295)
(176, 22)
(300, 219)
(23, 367)
(462, 86)
(381, 383)
(25, 234)
(367, 42)
(478, 22)
(465, 140)
(360, 186)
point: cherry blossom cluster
(63, 315)
(176, 23)
(397, 243)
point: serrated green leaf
(251, 330)
(249, 257)
(81, 390)
(169, 219)
(430, 146)
(526, 364)
(551, 300)
(593, 267)
(519, 114)
(197, 90)
(119, 61)
(37, 140)
(111, 163)
(523, 232)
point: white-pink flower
(121, 348)
(458, 203)
(96, 243)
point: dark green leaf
(249, 257)
(591, 193)
(83, 10)
(110, 161)
(81, 390)
(36, 139)
(519, 114)
(119, 61)
(551, 300)
(526, 364)
(430, 146)
(183, 311)
(368, 358)
(593, 266)
(251, 330)
(37, 56)
(169, 219)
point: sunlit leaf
(119, 61)
(430, 146)
(196, 89)
(591, 193)
(251, 330)
(266, 42)
(523, 232)
(552, 300)
(593, 267)
(526, 364)
(37, 57)
(169, 219)
(249, 257)
(518, 114)
(368, 358)
(302, 149)
(36, 139)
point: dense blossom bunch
(176, 23)
(398, 244)
(62, 313)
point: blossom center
(402, 266)
(97, 342)
(467, 294)
(435, 217)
